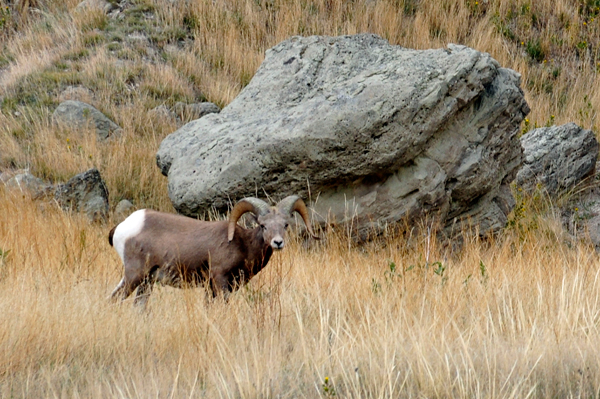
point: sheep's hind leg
(143, 293)
(124, 289)
(118, 291)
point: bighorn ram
(177, 250)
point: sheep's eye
(262, 226)
(286, 225)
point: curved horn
(293, 203)
(251, 204)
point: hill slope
(147, 53)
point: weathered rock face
(26, 182)
(78, 115)
(557, 157)
(376, 133)
(85, 192)
(123, 209)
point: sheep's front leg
(220, 283)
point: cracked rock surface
(85, 192)
(77, 115)
(377, 133)
(557, 158)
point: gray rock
(124, 208)
(78, 115)
(581, 218)
(26, 182)
(580, 211)
(162, 114)
(139, 38)
(557, 158)
(188, 112)
(100, 5)
(376, 133)
(85, 192)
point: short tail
(110, 235)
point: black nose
(278, 243)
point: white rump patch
(128, 228)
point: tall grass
(515, 318)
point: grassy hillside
(401, 317)
(160, 52)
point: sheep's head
(273, 221)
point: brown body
(177, 251)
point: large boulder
(557, 158)
(376, 133)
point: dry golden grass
(510, 319)
(402, 317)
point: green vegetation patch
(93, 38)
(535, 51)
(164, 92)
(40, 89)
(5, 16)
(137, 19)
(504, 28)
(169, 35)
(5, 58)
(589, 8)
(142, 20)
(76, 55)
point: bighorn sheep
(177, 250)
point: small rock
(100, 5)
(86, 192)
(580, 215)
(79, 115)
(188, 112)
(162, 114)
(124, 208)
(26, 182)
(138, 37)
(170, 48)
